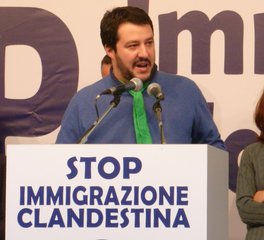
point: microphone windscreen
(154, 90)
(138, 84)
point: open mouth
(142, 65)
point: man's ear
(109, 51)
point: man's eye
(149, 42)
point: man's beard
(124, 70)
(126, 73)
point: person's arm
(249, 201)
(205, 130)
(70, 130)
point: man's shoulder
(94, 88)
(174, 77)
(179, 81)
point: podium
(116, 192)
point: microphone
(134, 84)
(154, 90)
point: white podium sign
(116, 192)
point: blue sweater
(185, 114)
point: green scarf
(140, 118)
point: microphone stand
(157, 109)
(113, 104)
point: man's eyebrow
(131, 42)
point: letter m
(201, 30)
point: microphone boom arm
(113, 104)
(157, 109)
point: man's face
(135, 52)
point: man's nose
(142, 52)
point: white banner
(119, 192)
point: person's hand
(259, 196)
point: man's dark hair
(113, 19)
